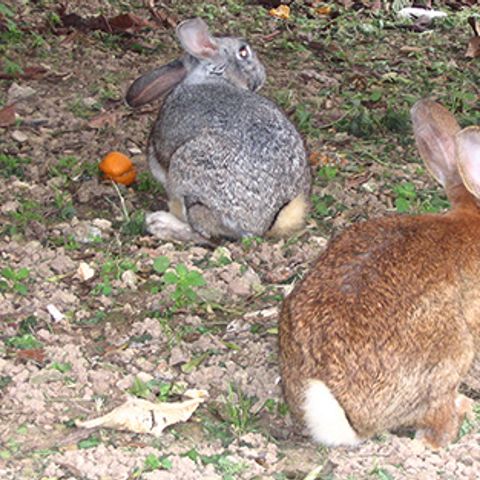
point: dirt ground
(87, 315)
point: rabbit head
(207, 59)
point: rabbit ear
(196, 39)
(468, 152)
(155, 83)
(435, 129)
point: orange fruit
(118, 167)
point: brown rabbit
(382, 331)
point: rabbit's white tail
(290, 219)
(325, 418)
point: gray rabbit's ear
(468, 151)
(156, 83)
(435, 129)
(196, 39)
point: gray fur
(230, 155)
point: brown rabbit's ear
(468, 154)
(435, 129)
(156, 83)
(196, 39)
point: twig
(122, 202)
(313, 475)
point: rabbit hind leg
(209, 223)
(290, 219)
(441, 423)
(165, 226)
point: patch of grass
(90, 442)
(64, 205)
(28, 211)
(12, 68)
(23, 342)
(135, 226)
(12, 280)
(409, 200)
(381, 474)
(62, 367)
(222, 463)
(13, 166)
(184, 280)
(238, 410)
(81, 110)
(147, 183)
(5, 380)
(405, 196)
(153, 462)
(112, 269)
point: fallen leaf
(27, 73)
(318, 159)
(125, 21)
(282, 12)
(162, 16)
(107, 119)
(7, 115)
(141, 416)
(119, 23)
(473, 49)
(325, 11)
(35, 354)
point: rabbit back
(384, 319)
(231, 150)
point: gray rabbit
(231, 162)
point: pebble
(85, 272)
(19, 136)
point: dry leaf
(35, 354)
(27, 73)
(107, 119)
(327, 10)
(125, 21)
(141, 416)
(318, 159)
(473, 49)
(7, 115)
(282, 12)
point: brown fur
(389, 319)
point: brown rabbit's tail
(325, 418)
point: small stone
(10, 206)
(17, 93)
(85, 272)
(135, 151)
(129, 279)
(19, 136)
(144, 376)
(102, 224)
(55, 313)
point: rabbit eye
(243, 52)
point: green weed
(153, 462)
(184, 280)
(23, 342)
(238, 410)
(12, 280)
(13, 166)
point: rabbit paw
(166, 226)
(465, 407)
